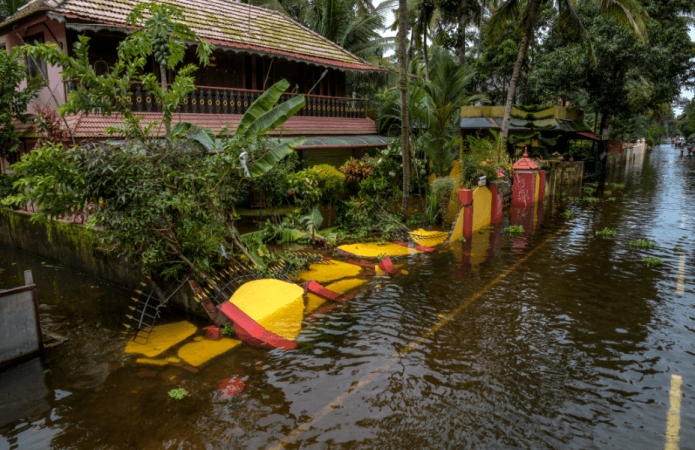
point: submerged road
(558, 338)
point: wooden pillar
(254, 76)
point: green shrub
(568, 214)
(432, 208)
(515, 229)
(481, 157)
(355, 171)
(416, 219)
(591, 199)
(319, 185)
(442, 187)
(275, 184)
(386, 178)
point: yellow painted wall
(559, 112)
(457, 231)
(482, 207)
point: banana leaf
(204, 137)
(262, 105)
(276, 116)
(271, 157)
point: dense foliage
(13, 101)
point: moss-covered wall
(74, 246)
(564, 177)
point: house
(566, 124)
(253, 48)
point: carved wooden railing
(212, 100)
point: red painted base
(321, 291)
(387, 266)
(251, 332)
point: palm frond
(570, 23)
(506, 11)
(628, 13)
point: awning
(317, 142)
(590, 135)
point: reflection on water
(574, 348)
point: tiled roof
(94, 125)
(223, 22)
(525, 163)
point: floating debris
(267, 313)
(197, 353)
(374, 250)
(161, 338)
(328, 271)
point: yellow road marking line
(412, 345)
(681, 273)
(673, 420)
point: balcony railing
(211, 100)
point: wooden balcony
(212, 100)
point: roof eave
(236, 47)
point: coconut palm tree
(434, 106)
(444, 95)
(629, 13)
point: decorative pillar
(524, 190)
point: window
(36, 66)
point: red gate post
(466, 199)
(524, 188)
(497, 202)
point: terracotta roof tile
(94, 125)
(525, 163)
(223, 22)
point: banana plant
(263, 116)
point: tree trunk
(480, 29)
(424, 49)
(163, 78)
(405, 126)
(532, 7)
(463, 20)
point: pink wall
(53, 32)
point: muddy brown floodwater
(557, 338)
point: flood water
(557, 338)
